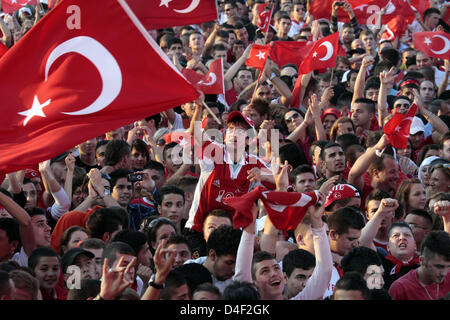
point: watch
(157, 286)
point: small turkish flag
(258, 56)
(212, 83)
(10, 6)
(264, 18)
(81, 82)
(322, 55)
(397, 129)
(285, 209)
(434, 44)
(286, 52)
(158, 14)
(395, 28)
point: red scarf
(399, 264)
(339, 269)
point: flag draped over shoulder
(397, 129)
(285, 209)
(76, 84)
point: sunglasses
(399, 105)
(294, 116)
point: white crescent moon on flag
(102, 59)
(194, 4)
(211, 80)
(446, 47)
(391, 34)
(330, 50)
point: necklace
(429, 296)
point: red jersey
(220, 178)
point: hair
(347, 140)
(260, 105)
(293, 154)
(335, 127)
(11, 227)
(258, 257)
(350, 153)
(353, 281)
(208, 287)
(298, 258)
(170, 189)
(398, 225)
(155, 165)
(410, 61)
(92, 243)
(327, 146)
(378, 163)
(186, 181)
(141, 147)
(101, 221)
(224, 241)
(25, 281)
(116, 175)
(345, 218)
(195, 274)
(173, 41)
(111, 250)
(380, 294)
(235, 106)
(383, 65)
(358, 259)
(37, 254)
(151, 232)
(174, 280)
(436, 243)
(392, 55)
(429, 12)
(65, 237)
(88, 288)
(445, 137)
(370, 105)
(115, 151)
(403, 190)
(304, 168)
(35, 211)
(377, 194)
(135, 239)
(241, 290)
(424, 214)
(178, 239)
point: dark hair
(370, 105)
(429, 12)
(224, 240)
(350, 153)
(353, 281)
(88, 288)
(5, 285)
(178, 239)
(116, 175)
(377, 194)
(174, 280)
(358, 259)
(380, 294)
(260, 105)
(158, 222)
(398, 225)
(37, 254)
(135, 239)
(169, 146)
(171, 42)
(92, 243)
(141, 147)
(208, 287)
(298, 258)
(111, 250)
(437, 242)
(347, 140)
(293, 154)
(424, 214)
(170, 189)
(67, 234)
(392, 55)
(155, 165)
(101, 221)
(378, 163)
(195, 274)
(115, 151)
(258, 257)
(11, 228)
(241, 290)
(327, 146)
(35, 211)
(304, 168)
(344, 218)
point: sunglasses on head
(294, 116)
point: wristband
(156, 286)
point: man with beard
(333, 158)
(431, 281)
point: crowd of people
(125, 216)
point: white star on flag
(261, 55)
(36, 110)
(427, 41)
(315, 54)
(165, 3)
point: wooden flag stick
(210, 111)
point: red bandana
(399, 264)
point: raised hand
(388, 77)
(70, 162)
(116, 280)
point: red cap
(335, 112)
(30, 174)
(237, 114)
(339, 192)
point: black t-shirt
(389, 275)
(87, 167)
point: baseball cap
(335, 112)
(416, 126)
(235, 115)
(31, 173)
(68, 258)
(341, 191)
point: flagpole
(332, 73)
(210, 111)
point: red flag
(258, 56)
(433, 44)
(212, 83)
(395, 28)
(322, 55)
(264, 18)
(3, 49)
(397, 129)
(286, 52)
(10, 6)
(285, 209)
(158, 14)
(82, 82)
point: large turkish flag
(322, 55)
(158, 14)
(62, 85)
(434, 44)
(10, 6)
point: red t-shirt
(408, 287)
